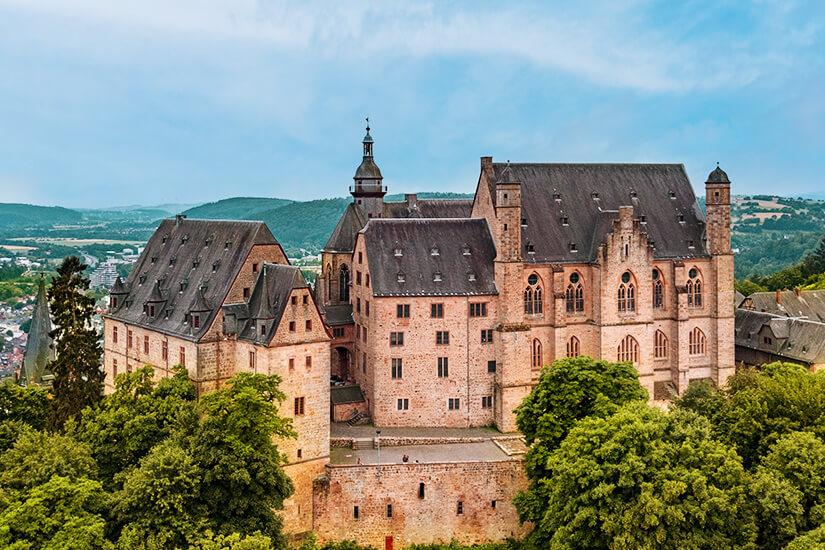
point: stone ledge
(398, 441)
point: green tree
(243, 480)
(29, 405)
(812, 540)
(78, 378)
(776, 506)
(159, 503)
(138, 415)
(799, 457)
(63, 513)
(643, 478)
(568, 391)
(234, 541)
(815, 261)
(36, 457)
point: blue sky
(110, 103)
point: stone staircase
(361, 443)
(358, 418)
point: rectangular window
(364, 334)
(396, 338)
(114, 369)
(453, 404)
(437, 311)
(487, 336)
(358, 277)
(114, 335)
(358, 305)
(486, 401)
(182, 356)
(291, 363)
(442, 337)
(460, 509)
(368, 280)
(196, 321)
(364, 362)
(491, 366)
(443, 370)
(263, 329)
(357, 331)
(308, 326)
(355, 512)
(252, 361)
(389, 510)
(478, 309)
(254, 268)
(299, 406)
(338, 333)
(308, 362)
(403, 404)
(129, 338)
(246, 292)
(300, 454)
(294, 300)
(360, 257)
(305, 300)
(146, 345)
(367, 308)
(397, 367)
(402, 311)
(292, 326)
(165, 350)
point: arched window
(697, 342)
(343, 284)
(658, 290)
(574, 295)
(536, 362)
(659, 345)
(694, 288)
(329, 281)
(626, 295)
(628, 349)
(533, 296)
(573, 347)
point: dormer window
(196, 321)
(172, 260)
(434, 251)
(184, 239)
(227, 244)
(633, 195)
(398, 252)
(565, 221)
(195, 263)
(437, 277)
(151, 310)
(208, 241)
(594, 196)
(572, 247)
(401, 277)
(471, 277)
(690, 245)
(164, 239)
(141, 279)
(681, 218)
(672, 195)
(524, 222)
(215, 267)
(531, 249)
(465, 250)
(557, 197)
(114, 302)
(182, 286)
(153, 259)
(642, 219)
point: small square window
(292, 326)
(294, 300)
(308, 325)
(491, 366)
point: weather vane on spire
(368, 124)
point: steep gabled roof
(429, 208)
(343, 236)
(39, 351)
(809, 303)
(796, 339)
(267, 302)
(195, 263)
(453, 271)
(582, 192)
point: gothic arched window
(696, 341)
(573, 347)
(626, 295)
(659, 345)
(533, 296)
(694, 288)
(536, 355)
(343, 284)
(574, 295)
(658, 290)
(628, 349)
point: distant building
(104, 275)
(804, 304)
(763, 337)
(39, 349)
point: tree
(78, 378)
(62, 514)
(815, 261)
(140, 414)
(234, 541)
(29, 405)
(159, 504)
(36, 457)
(812, 540)
(643, 478)
(776, 506)
(243, 480)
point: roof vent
(594, 196)
(195, 263)
(184, 239)
(398, 252)
(565, 221)
(172, 260)
(557, 197)
(227, 244)
(153, 259)
(690, 245)
(471, 277)
(142, 279)
(634, 195)
(164, 239)
(531, 249)
(465, 250)
(642, 219)
(208, 241)
(183, 285)
(401, 277)
(215, 266)
(681, 218)
(572, 247)
(672, 195)
(524, 222)
(434, 251)
(437, 277)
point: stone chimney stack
(778, 297)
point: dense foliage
(150, 467)
(737, 467)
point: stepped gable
(550, 192)
(187, 266)
(797, 339)
(39, 351)
(407, 257)
(806, 303)
(266, 304)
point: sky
(116, 103)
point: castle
(440, 313)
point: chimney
(411, 199)
(778, 297)
(179, 218)
(798, 291)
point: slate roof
(39, 351)
(338, 315)
(659, 192)
(194, 263)
(353, 220)
(809, 303)
(340, 395)
(266, 305)
(797, 339)
(420, 267)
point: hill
(28, 215)
(303, 225)
(236, 208)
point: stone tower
(39, 350)
(369, 190)
(717, 200)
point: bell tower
(368, 191)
